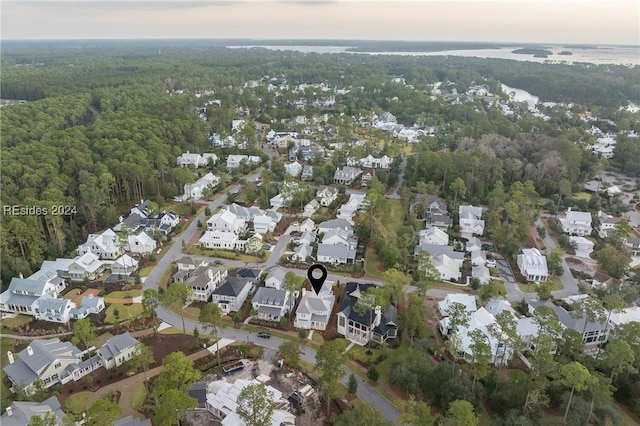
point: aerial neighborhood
(482, 252)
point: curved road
(365, 391)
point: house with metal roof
(19, 413)
(270, 304)
(117, 350)
(314, 310)
(232, 293)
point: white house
(302, 253)
(328, 225)
(247, 214)
(54, 310)
(306, 225)
(270, 304)
(194, 191)
(310, 208)
(467, 300)
(326, 195)
(293, 169)
(264, 224)
(481, 272)
(340, 237)
(372, 162)
(141, 243)
(346, 175)
(471, 220)
(335, 254)
(204, 280)
(87, 266)
(355, 203)
(117, 350)
(473, 245)
(231, 294)
(124, 265)
(221, 240)
(449, 268)
(533, 265)
(235, 160)
(607, 224)
(433, 235)
(314, 310)
(226, 221)
(107, 246)
(19, 413)
(222, 402)
(277, 201)
(196, 160)
(275, 278)
(45, 359)
(576, 223)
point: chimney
(29, 350)
(10, 356)
(9, 411)
(304, 291)
(378, 317)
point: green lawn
(224, 254)
(77, 403)
(18, 321)
(124, 294)
(146, 271)
(125, 312)
(396, 357)
(533, 287)
(72, 293)
(317, 337)
(139, 397)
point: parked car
(264, 334)
(218, 262)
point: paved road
(569, 283)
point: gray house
(117, 350)
(20, 412)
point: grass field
(533, 287)
(77, 403)
(228, 255)
(125, 312)
(139, 397)
(146, 271)
(18, 321)
(124, 294)
(71, 293)
(392, 219)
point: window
(341, 321)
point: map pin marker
(317, 283)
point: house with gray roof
(22, 295)
(335, 254)
(54, 310)
(328, 225)
(86, 266)
(19, 413)
(275, 278)
(117, 350)
(314, 310)
(203, 280)
(346, 175)
(302, 253)
(271, 304)
(45, 360)
(593, 333)
(232, 293)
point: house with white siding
(231, 294)
(533, 265)
(107, 245)
(576, 223)
(314, 310)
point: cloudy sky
(548, 21)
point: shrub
(372, 374)
(303, 333)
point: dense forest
(104, 123)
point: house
(359, 326)
(314, 310)
(576, 223)
(231, 294)
(479, 257)
(376, 163)
(425, 205)
(44, 359)
(196, 190)
(433, 235)
(481, 272)
(328, 225)
(341, 237)
(355, 203)
(227, 222)
(306, 225)
(196, 160)
(326, 195)
(188, 264)
(141, 243)
(19, 413)
(533, 265)
(346, 175)
(198, 391)
(302, 253)
(277, 201)
(22, 295)
(436, 250)
(56, 270)
(592, 333)
(624, 316)
(86, 266)
(117, 350)
(449, 268)
(442, 221)
(247, 214)
(496, 306)
(633, 244)
(607, 224)
(275, 278)
(222, 403)
(467, 300)
(124, 265)
(335, 254)
(310, 208)
(54, 310)
(107, 246)
(307, 172)
(293, 169)
(264, 224)
(582, 246)
(221, 240)
(203, 280)
(234, 161)
(367, 175)
(88, 305)
(270, 304)
(470, 218)
(473, 244)
(252, 274)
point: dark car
(264, 335)
(218, 262)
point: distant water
(618, 55)
(521, 95)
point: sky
(523, 21)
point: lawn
(146, 271)
(77, 403)
(72, 293)
(171, 330)
(359, 353)
(317, 337)
(224, 254)
(139, 397)
(581, 196)
(18, 321)
(124, 294)
(556, 284)
(396, 357)
(125, 312)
